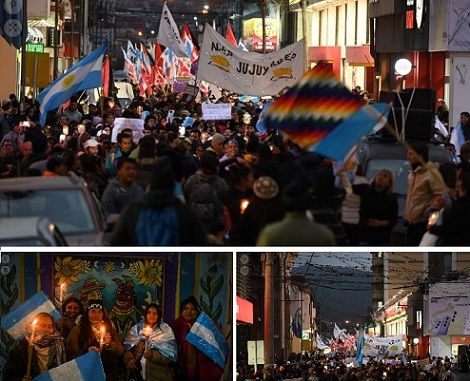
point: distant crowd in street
(341, 367)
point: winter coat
(191, 232)
(425, 186)
(16, 364)
(380, 206)
(116, 197)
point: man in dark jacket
(159, 218)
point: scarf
(162, 339)
(56, 344)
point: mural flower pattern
(148, 272)
(109, 267)
(67, 270)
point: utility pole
(24, 34)
(304, 32)
(72, 27)
(268, 309)
(262, 7)
(56, 39)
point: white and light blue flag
(169, 35)
(14, 321)
(360, 347)
(84, 75)
(84, 368)
(320, 344)
(206, 337)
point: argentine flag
(14, 321)
(84, 75)
(84, 368)
(205, 336)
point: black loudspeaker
(423, 99)
(419, 124)
(420, 119)
(463, 357)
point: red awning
(324, 53)
(359, 56)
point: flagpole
(23, 35)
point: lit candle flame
(243, 205)
(33, 331)
(147, 331)
(62, 292)
(102, 333)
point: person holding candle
(39, 351)
(96, 333)
(151, 347)
(72, 310)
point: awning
(324, 53)
(359, 56)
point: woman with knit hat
(96, 333)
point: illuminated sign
(35, 48)
(244, 311)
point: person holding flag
(44, 349)
(193, 363)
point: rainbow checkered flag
(322, 115)
(206, 337)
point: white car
(64, 200)
(30, 231)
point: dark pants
(352, 234)
(414, 233)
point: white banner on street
(136, 125)
(214, 111)
(249, 73)
(382, 346)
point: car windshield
(67, 208)
(399, 168)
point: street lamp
(415, 343)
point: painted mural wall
(126, 282)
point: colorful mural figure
(91, 290)
(124, 314)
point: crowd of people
(339, 367)
(222, 182)
(152, 350)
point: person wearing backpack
(204, 189)
(159, 217)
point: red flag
(147, 66)
(105, 77)
(230, 36)
(159, 79)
